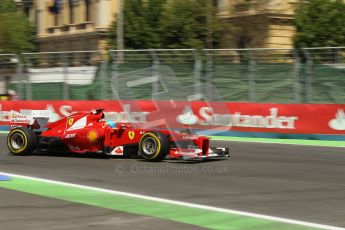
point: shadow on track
(106, 157)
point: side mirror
(123, 126)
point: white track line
(191, 205)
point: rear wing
(35, 119)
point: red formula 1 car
(89, 132)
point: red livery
(88, 132)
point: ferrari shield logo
(70, 121)
(131, 134)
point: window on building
(71, 11)
(56, 20)
(26, 10)
(27, 7)
(87, 10)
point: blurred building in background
(68, 25)
(257, 23)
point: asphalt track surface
(304, 183)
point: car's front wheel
(154, 146)
(21, 141)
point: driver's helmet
(111, 124)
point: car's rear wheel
(21, 141)
(154, 146)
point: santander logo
(207, 117)
(338, 123)
(187, 117)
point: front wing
(213, 153)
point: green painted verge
(322, 143)
(180, 213)
(282, 141)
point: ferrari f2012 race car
(85, 132)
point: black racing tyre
(21, 141)
(154, 146)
